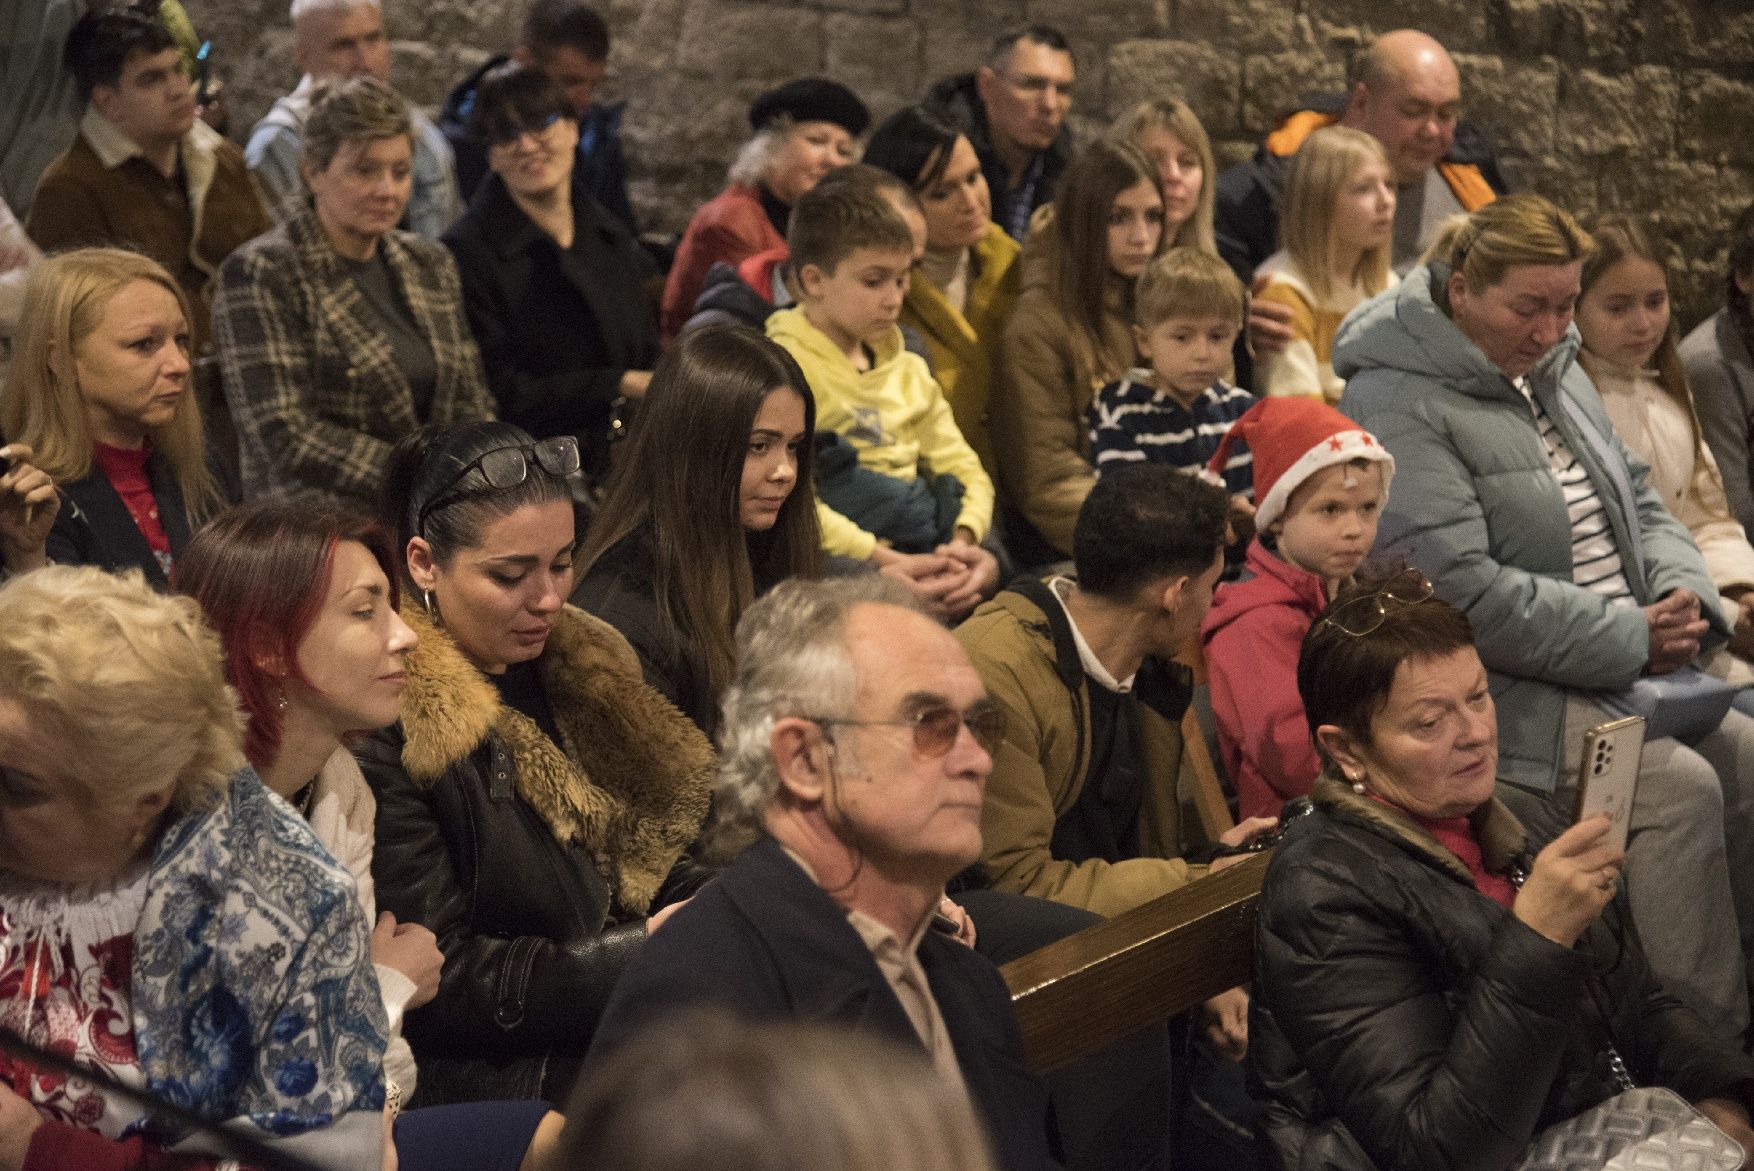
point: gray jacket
(1721, 372)
(1477, 509)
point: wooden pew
(1078, 995)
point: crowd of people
(482, 686)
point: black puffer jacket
(1402, 1019)
(535, 864)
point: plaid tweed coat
(313, 386)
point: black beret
(812, 99)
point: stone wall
(1642, 105)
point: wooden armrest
(1088, 990)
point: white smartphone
(1608, 777)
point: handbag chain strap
(1519, 874)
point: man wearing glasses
(1013, 110)
(856, 744)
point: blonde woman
(163, 917)
(99, 400)
(1336, 226)
(1169, 133)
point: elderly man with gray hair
(337, 40)
(855, 749)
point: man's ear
(984, 79)
(801, 757)
(104, 99)
(1170, 594)
(1357, 101)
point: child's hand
(928, 576)
(1242, 504)
(982, 578)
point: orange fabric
(1290, 134)
(1470, 187)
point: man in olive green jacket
(1084, 670)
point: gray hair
(792, 660)
(303, 8)
(756, 155)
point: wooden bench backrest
(1156, 961)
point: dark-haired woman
(554, 285)
(711, 507)
(536, 800)
(1719, 358)
(1438, 977)
(1071, 333)
(305, 603)
(967, 281)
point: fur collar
(1503, 841)
(629, 780)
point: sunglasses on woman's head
(507, 467)
(1364, 614)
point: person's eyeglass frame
(1408, 588)
(557, 455)
(936, 727)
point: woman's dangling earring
(280, 704)
(1357, 781)
(426, 597)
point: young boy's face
(1329, 524)
(860, 297)
(1188, 354)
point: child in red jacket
(1320, 485)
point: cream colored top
(1660, 431)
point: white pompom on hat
(1291, 439)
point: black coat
(94, 526)
(618, 588)
(557, 330)
(534, 863)
(1403, 1019)
(766, 941)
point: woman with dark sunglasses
(554, 285)
(537, 799)
(1442, 967)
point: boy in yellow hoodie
(852, 253)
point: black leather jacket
(534, 928)
(1403, 1019)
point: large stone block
(1706, 32)
(1719, 122)
(1104, 21)
(877, 56)
(1516, 105)
(1459, 24)
(1242, 26)
(771, 41)
(1205, 78)
(1273, 84)
(1632, 114)
(1568, 182)
(1600, 32)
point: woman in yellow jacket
(967, 282)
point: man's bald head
(1407, 94)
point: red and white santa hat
(1291, 439)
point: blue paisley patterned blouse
(254, 995)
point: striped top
(1131, 420)
(1595, 557)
